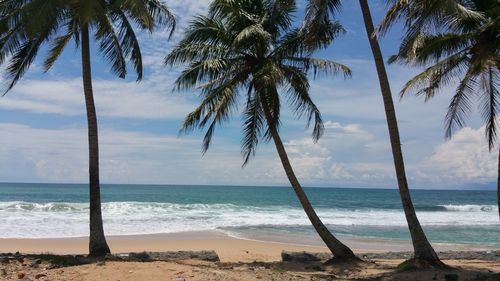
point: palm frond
(395, 12)
(491, 103)
(161, 15)
(321, 10)
(235, 12)
(252, 126)
(215, 109)
(320, 66)
(270, 102)
(21, 61)
(220, 113)
(109, 45)
(196, 52)
(460, 104)
(147, 14)
(306, 41)
(204, 71)
(59, 44)
(437, 76)
(23, 49)
(433, 48)
(210, 31)
(11, 40)
(130, 43)
(280, 16)
(301, 101)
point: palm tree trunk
(338, 249)
(97, 241)
(422, 248)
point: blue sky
(43, 125)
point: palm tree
(250, 46)
(318, 11)
(27, 25)
(461, 46)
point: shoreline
(228, 248)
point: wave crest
(470, 208)
(63, 219)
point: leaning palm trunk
(338, 249)
(422, 248)
(97, 241)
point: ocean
(61, 211)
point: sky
(43, 125)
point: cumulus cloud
(465, 159)
(338, 158)
(346, 157)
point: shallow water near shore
(61, 211)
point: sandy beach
(240, 259)
(228, 248)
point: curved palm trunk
(422, 248)
(338, 249)
(97, 241)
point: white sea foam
(470, 208)
(36, 220)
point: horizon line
(243, 185)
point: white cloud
(150, 100)
(348, 154)
(338, 159)
(463, 160)
(60, 155)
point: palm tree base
(351, 260)
(420, 263)
(99, 251)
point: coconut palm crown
(251, 48)
(465, 52)
(421, 17)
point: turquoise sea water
(61, 210)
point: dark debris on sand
(445, 255)
(295, 266)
